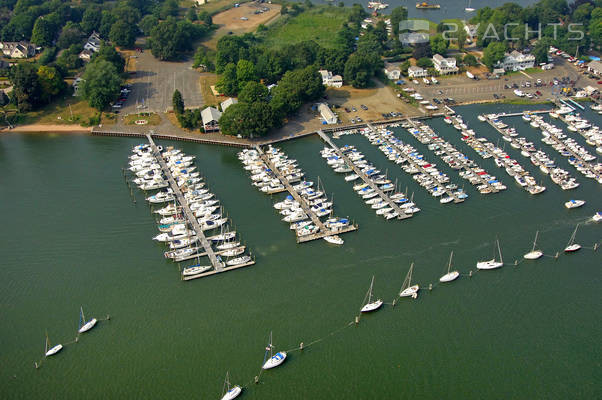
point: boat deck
(322, 229)
(188, 214)
(416, 165)
(400, 213)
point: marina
(576, 123)
(396, 210)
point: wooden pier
(218, 265)
(322, 229)
(416, 165)
(465, 164)
(400, 213)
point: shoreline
(48, 128)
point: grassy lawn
(318, 23)
(207, 80)
(150, 118)
(67, 110)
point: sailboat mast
(450, 260)
(370, 290)
(535, 241)
(500, 251)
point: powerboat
(574, 203)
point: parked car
(363, 107)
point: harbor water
(72, 236)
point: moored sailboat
(534, 254)
(83, 325)
(450, 276)
(371, 305)
(492, 264)
(275, 359)
(230, 393)
(571, 245)
(407, 289)
(52, 350)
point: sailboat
(492, 264)
(572, 246)
(53, 350)
(83, 325)
(450, 276)
(406, 289)
(534, 254)
(231, 392)
(275, 359)
(371, 305)
(469, 8)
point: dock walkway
(400, 213)
(322, 229)
(218, 266)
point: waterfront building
(327, 115)
(328, 79)
(211, 116)
(516, 61)
(416, 72)
(227, 103)
(444, 65)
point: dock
(322, 229)
(400, 213)
(469, 167)
(218, 265)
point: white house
(227, 103)
(328, 79)
(444, 65)
(85, 55)
(20, 49)
(416, 72)
(516, 61)
(595, 67)
(392, 73)
(211, 116)
(93, 43)
(327, 114)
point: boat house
(327, 115)
(211, 116)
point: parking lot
(153, 85)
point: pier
(322, 229)
(474, 174)
(400, 213)
(218, 265)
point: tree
(360, 68)
(405, 66)
(110, 54)
(51, 83)
(540, 50)
(47, 56)
(247, 119)
(398, 14)
(253, 92)
(470, 60)
(70, 34)
(229, 50)
(228, 84)
(147, 23)
(169, 9)
(26, 93)
(69, 59)
(439, 44)
(91, 19)
(245, 72)
(205, 18)
(123, 34)
(422, 50)
(191, 15)
(106, 22)
(493, 53)
(43, 32)
(101, 84)
(424, 62)
(166, 40)
(177, 102)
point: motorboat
(334, 239)
(597, 217)
(407, 289)
(370, 305)
(574, 203)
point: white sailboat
(572, 246)
(492, 264)
(407, 290)
(275, 359)
(371, 305)
(534, 254)
(83, 325)
(469, 8)
(450, 276)
(52, 350)
(230, 392)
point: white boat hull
(276, 360)
(572, 248)
(449, 277)
(533, 255)
(410, 291)
(232, 393)
(491, 264)
(87, 326)
(54, 350)
(372, 306)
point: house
(416, 72)
(20, 49)
(227, 103)
(211, 116)
(331, 80)
(471, 30)
(93, 43)
(327, 115)
(444, 65)
(85, 55)
(516, 61)
(392, 73)
(595, 67)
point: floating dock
(218, 266)
(400, 212)
(322, 229)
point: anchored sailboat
(275, 359)
(407, 289)
(52, 350)
(450, 276)
(371, 305)
(534, 254)
(469, 8)
(492, 264)
(230, 392)
(83, 325)
(572, 246)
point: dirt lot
(230, 20)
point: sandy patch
(50, 128)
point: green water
(72, 236)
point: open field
(319, 24)
(230, 21)
(67, 110)
(207, 80)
